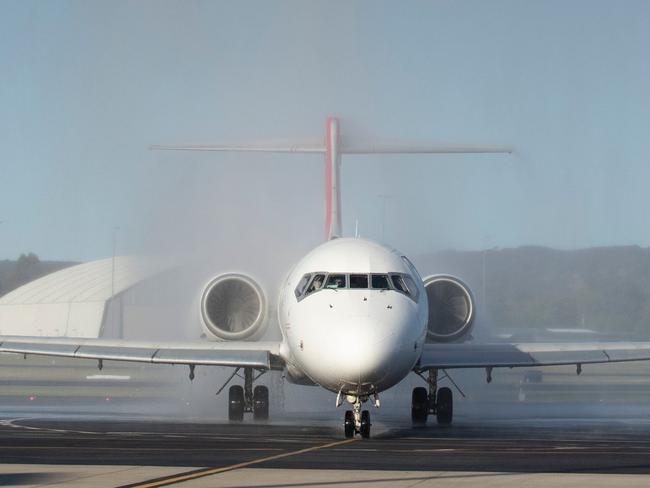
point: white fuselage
(357, 341)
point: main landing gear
(438, 401)
(357, 421)
(246, 399)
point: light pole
(486, 239)
(115, 229)
(483, 278)
(2, 222)
(113, 312)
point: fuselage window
(335, 281)
(317, 283)
(358, 281)
(380, 282)
(302, 285)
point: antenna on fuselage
(333, 150)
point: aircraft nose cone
(360, 350)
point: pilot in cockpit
(316, 284)
(336, 281)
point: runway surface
(312, 452)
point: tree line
(26, 268)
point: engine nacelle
(451, 308)
(233, 307)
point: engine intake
(451, 308)
(233, 307)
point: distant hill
(605, 289)
(25, 269)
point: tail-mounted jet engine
(233, 307)
(451, 308)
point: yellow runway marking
(169, 480)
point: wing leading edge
(471, 355)
(262, 355)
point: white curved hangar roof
(72, 302)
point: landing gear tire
(236, 403)
(365, 424)
(348, 424)
(444, 406)
(261, 403)
(419, 406)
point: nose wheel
(364, 428)
(357, 422)
(348, 424)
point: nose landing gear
(348, 424)
(364, 427)
(357, 421)
(438, 401)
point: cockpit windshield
(380, 282)
(335, 281)
(359, 281)
(400, 282)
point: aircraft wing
(262, 355)
(476, 355)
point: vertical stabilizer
(333, 150)
(332, 180)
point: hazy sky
(86, 86)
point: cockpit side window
(398, 283)
(317, 283)
(335, 281)
(405, 284)
(358, 281)
(380, 282)
(412, 288)
(302, 284)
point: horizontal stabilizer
(415, 149)
(359, 149)
(242, 148)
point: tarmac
(308, 450)
(66, 425)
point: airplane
(355, 317)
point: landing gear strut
(357, 421)
(246, 399)
(438, 401)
